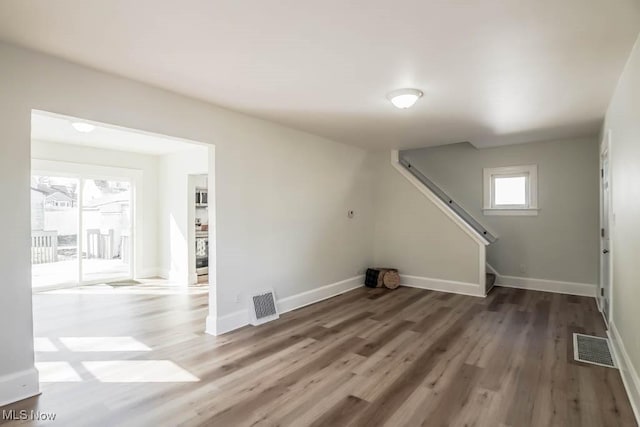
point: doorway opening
(199, 216)
(113, 239)
(112, 205)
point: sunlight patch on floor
(57, 372)
(91, 344)
(43, 345)
(138, 371)
(105, 289)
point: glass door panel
(54, 231)
(106, 230)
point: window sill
(511, 212)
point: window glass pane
(106, 223)
(510, 190)
(54, 230)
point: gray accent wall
(561, 243)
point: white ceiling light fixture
(404, 98)
(83, 127)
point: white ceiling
(57, 128)
(493, 71)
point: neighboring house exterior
(54, 208)
(106, 214)
(58, 200)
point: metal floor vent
(263, 308)
(594, 350)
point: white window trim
(532, 190)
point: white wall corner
(395, 162)
(628, 372)
(228, 322)
(18, 386)
(463, 288)
(193, 278)
(211, 327)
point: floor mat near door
(124, 283)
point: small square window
(511, 190)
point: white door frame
(605, 153)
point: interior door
(605, 238)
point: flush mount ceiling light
(404, 98)
(83, 127)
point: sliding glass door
(54, 230)
(81, 230)
(106, 230)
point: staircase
(462, 218)
(459, 210)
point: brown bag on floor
(392, 282)
(391, 279)
(382, 278)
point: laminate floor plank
(138, 356)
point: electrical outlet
(238, 298)
(523, 268)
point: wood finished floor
(365, 358)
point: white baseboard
(211, 325)
(559, 287)
(240, 318)
(149, 272)
(627, 370)
(19, 386)
(164, 273)
(464, 288)
(179, 277)
(228, 322)
(315, 295)
(193, 278)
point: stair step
(490, 279)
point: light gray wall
(623, 120)
(561, 243)
(413, 235)
(282, 195)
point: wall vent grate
(264, 308)
(594, 350)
